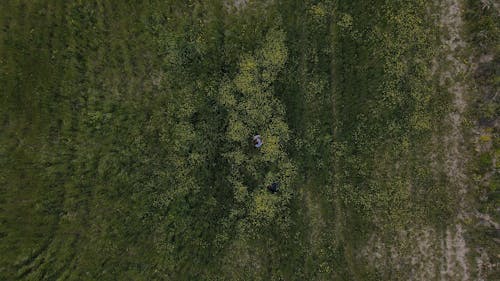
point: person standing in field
(257, 141)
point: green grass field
(125, 149)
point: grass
(116, 131)
(482, 36)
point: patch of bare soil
(236, 4)
(455, 248)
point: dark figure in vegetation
(273, 187)
(257, 141)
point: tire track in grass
(339, 218)
(454, 247)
